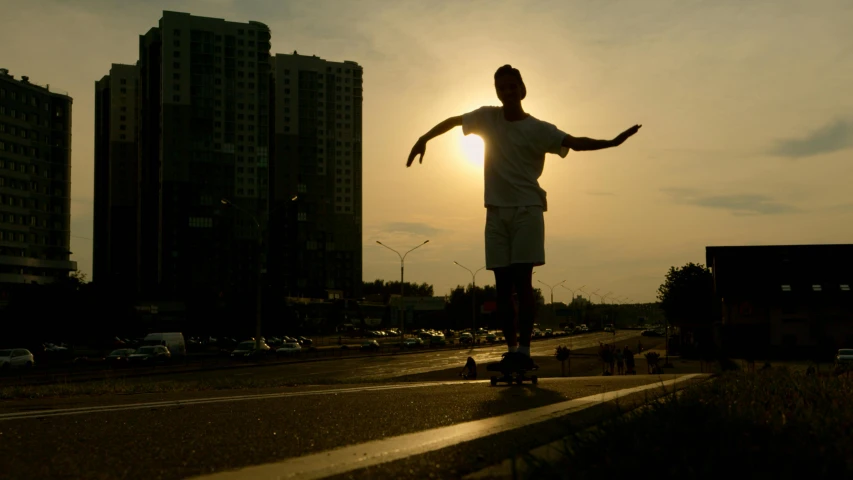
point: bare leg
(522, 277)
(506, 307)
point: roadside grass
(771, 424)
(130, 387)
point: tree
(386, 289)
(687, 295)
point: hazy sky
(746, 107)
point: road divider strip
(222, 399)
(354, 457)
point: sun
(472, 148)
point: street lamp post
(553, 313)
(551, 288)
(402, 260)
(604, 301)
(260, 240)
(571, 303)
(473, 297)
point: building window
(845, 288)
(302, 216)
(786, 288)
(816, 288)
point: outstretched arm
(420, 146)
(583, 143)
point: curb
(517, 466)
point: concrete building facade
(35, 182)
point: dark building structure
(195, 133)
(784, 300)
(233, 179)
(35, 183)
(316, 242)
(116, 179)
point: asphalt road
(190, 434)
(322, 416)
(409, 366)
(196, 364)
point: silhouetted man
(516, 144)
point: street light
(573, 290)
(550, 287)
(596, 294)
(259, 293)
(473, 297)
(402, 259)
(580, 289)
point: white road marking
(353, 457)
(232, 398)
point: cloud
(832, 137)
(737, 204)
(410, 227)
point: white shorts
(514, 235)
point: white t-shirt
(515, 155)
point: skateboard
(518, 376)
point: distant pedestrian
(612, 358)
(620, 361)
(629, 360)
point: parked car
(844, 356)
(466, 338)
(120, 356)
(549, 332)
(150, 354)
(174, 341)
(370, 345)
(16, 358)
(413, 343)
(437, 340)
(288, 349)
(491, 338)
(305, 342)
(248, 349)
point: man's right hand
(418, 149)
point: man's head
(509, 86)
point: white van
(174, 341)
